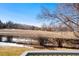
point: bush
(42, 40)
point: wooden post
(9, 39)
(59, 41)
(0, 38)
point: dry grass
(37, 33)
(12, 51)
(61, 49)
(17, 51)
(51, 48)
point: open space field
(37, 33)
(17, 51)
(12, 51)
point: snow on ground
(4, 44)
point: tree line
(44, 27)
(11, 25)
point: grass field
(37, 33)
(17, 51)
(12, 51)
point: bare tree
(44, 27)
(67, 14)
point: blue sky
(24, 13)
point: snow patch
(3, 44)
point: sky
(24, 13)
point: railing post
(0, 38)
(9, 39)
(59, 41)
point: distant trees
(44, 27)
(11, 25)
(1, 24)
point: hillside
(37, 33)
